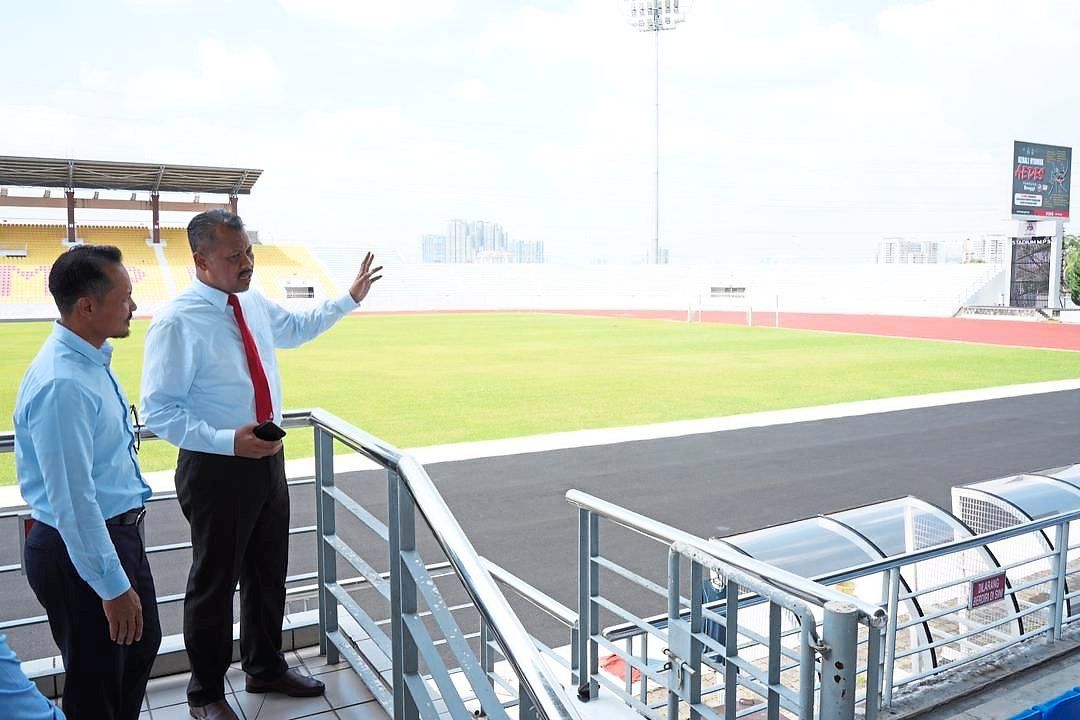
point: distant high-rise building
(662, 259)
(486, 237)
(986, 248)
(433, 248)
(478, 242)
(897, 251)
(493, 257)
(527, 252)
(457, 242)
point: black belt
(131, 517)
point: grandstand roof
(105, 175)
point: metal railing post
(775, 629)
(807, 686)
(402, 517)
(697, 626)
(581, 667)
(526, 707)
(731, 646)
(675, 672)
(487, 653)
(588, 612)
(325, 528)
(1060, 584)
(839, 665)
(890, 637)
(873, 673)
(643, 683)
(575, 652)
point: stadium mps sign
(1041, 179)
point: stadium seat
(1063, 707)
(1029, 714)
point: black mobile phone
(268, 431)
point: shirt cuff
(224, 442)
(345, 304)
(112, 585)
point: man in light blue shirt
(210, 380)
(75, 460)
(19, 698)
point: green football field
(417, 380)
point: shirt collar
(211, 295)
(98, 356)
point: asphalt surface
(514, 511)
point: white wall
(876, 289)
(930, 290)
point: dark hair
(200, 231)
(80, 272)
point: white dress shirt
(196, 386)
(75, 453)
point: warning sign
(987, 590)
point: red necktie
(264, 409)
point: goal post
(728, 303)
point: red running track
(1019, 333)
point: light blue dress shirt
(19, 698)
(75, 453)
(196, 386)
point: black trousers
(238, 510)
(103, 680)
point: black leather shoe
(291, 683)
(219, 710)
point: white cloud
(217, 72)
(473, 91)
(373, 14)
(249, 68)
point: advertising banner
(1041, 180)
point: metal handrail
(537, 679)
(289, 419)
(796, 585)
(538, 598)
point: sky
(790, 130)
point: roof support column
(155, 231)
(70, 215)
(233, 200)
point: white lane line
(162, 481)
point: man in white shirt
(78, 472)
(210, 379)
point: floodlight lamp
(651, 15)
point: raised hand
(365, 278)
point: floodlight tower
(654, 16)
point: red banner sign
(986, 590)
